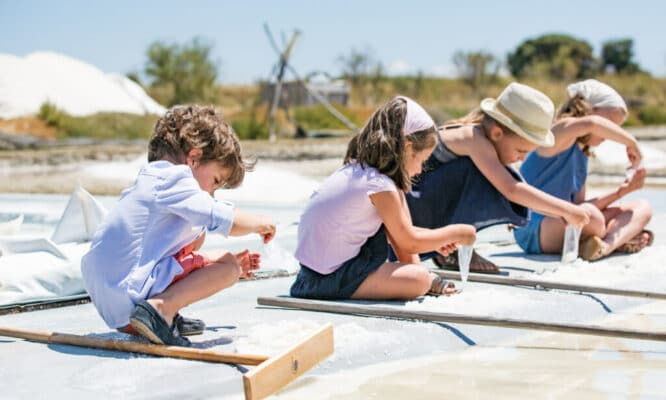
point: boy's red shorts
(190, 260)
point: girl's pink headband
(417, 118)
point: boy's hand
(247, 262)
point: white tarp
(38, 268)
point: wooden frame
(392, 312)
(542, 284)
(270, 375)
(278, 371)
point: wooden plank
(391, 312)
(280, 370)
(500, 280)
(133, 347)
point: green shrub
(249, 128)
(50, 114)
(318, 117)
(652, 115)
(107, 126)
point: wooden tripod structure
(270, 375)
(279, 71)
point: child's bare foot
(637, 243)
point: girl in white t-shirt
(345, 230)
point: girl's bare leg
(396, 281)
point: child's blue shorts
(527, 236)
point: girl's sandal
(440, 285)
(591, 248)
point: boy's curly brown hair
(183, 128)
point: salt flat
(386, 358)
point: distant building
(298, 93)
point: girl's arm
(408, 239)
(602, 202)
(402, 255)
(484, 156)
(567, 130)
(245, 223)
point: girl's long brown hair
(477, 116)
(576, 107)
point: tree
(618, 55)
(181, 73)
(356, 65)
(476, 68)
(362, 70)
(557, 56)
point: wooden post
(390, 312)
(500, 280)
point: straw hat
(526, 111)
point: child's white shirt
(131, 255)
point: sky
(405, 36)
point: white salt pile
(72, 85)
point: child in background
(345, 230)
(468, 178)
(594, 112)
(144, 265)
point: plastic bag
(275, 257)
(464, 258)
(570, 245)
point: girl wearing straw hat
(468, 179)
(593, 113)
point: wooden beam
(392, 312)
(500, 280)
(280, 370)
(133, 347)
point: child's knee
(422, 282)
(597, 224)
(643, 209)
